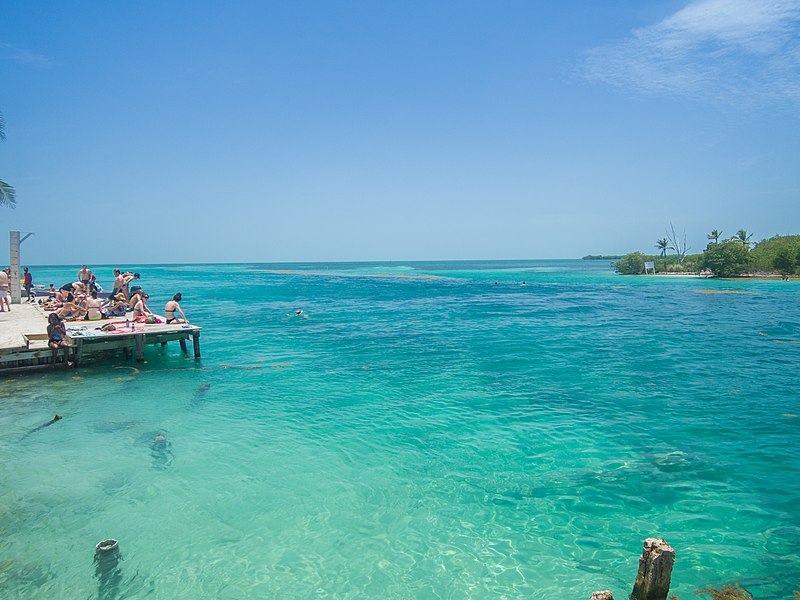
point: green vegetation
(780, 254)
(727, 258)
(663, 245)
(8, 196)
(631, 264)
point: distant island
(736, 256)
(602, 257)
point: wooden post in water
(196, 342)
(603, 595)
(76, 357)
(655, 571)
(182, 342)
(139, 342)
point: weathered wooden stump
(655, 571)
(602, 595)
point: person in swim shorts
(5, 281)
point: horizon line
(297, 262)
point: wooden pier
(23, 339)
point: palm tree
(8, 196)
(662, 245)
(743, 237)
(715, 235)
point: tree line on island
(723, 257)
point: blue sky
(294, 131)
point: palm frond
(8, 197)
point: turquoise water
(416, 437)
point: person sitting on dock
(136, 294)
(115, 306)
(71, 309)
(140, 310)
(56, 338)
(93, 307)
(173, 306)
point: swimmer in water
(161, 452)
(50, 422)
(298, 312)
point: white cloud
(24, 57)
(718, 49)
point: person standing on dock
(27, 282)
(126, 280)
(85, 275)
(4, 283)
(118, 283)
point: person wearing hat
(115, 306)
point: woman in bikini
(140, 310)
(71, 309)
(172, 307)
(93, 307)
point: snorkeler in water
(43, 425)
(161, 452)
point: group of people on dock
(80, 300)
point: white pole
(13, 256)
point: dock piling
(76, 357)
(139, 342)
(182, 342)
(196, 342)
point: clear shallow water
(416, 437)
